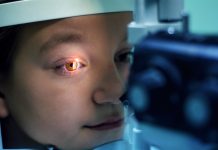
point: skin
(55, 104)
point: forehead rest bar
(27, 11)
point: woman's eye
(72, 66)
(126, 57)
(69, 67)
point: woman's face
(67, 80)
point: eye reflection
(73, 65)
(68, 67)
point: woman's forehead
(80, 25)
(101, 27)
(98, 18)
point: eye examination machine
(172, 92)
(173, 85)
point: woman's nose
(110, 86)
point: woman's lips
(107, 125)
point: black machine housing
(174, 83)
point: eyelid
(61, 65)
(125, 51)
(128, 48)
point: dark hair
(7, 45)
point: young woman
(62, 75)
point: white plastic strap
(27, 11)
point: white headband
(27, 11)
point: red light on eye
(73, 65)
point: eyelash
(69, 67)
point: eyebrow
(61, 38)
